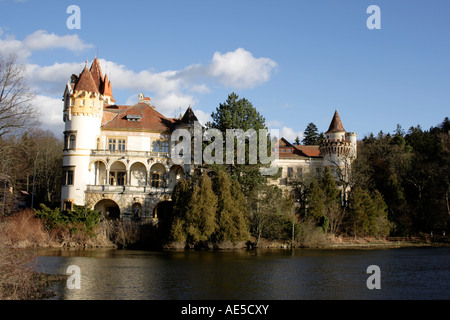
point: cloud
(286, 132)
(38, 41)
(202, 116)
(170, 90)
(50, 113)
(41, 40)
(240, 69)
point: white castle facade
(116, 158)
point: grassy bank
(20, 235)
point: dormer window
(133, 117)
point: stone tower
(339, 147)
(84, 98)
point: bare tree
(16, 107)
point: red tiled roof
(309, 151)
(96, 73)
(336, 124)
(115, 118)
(294, 151)
(86, 82)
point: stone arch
(138, 174)
(97, 172)
(108, 208)
(161, 209)
(117, 174)
(176, 173)
(158, 175)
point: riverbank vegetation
(399, 186)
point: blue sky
(296, 61)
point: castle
(337, 151)
(116, 158)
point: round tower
(337, 148)
(83, 112)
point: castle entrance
(108, 209)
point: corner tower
(84, 98)
(339, 146)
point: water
(306, 274)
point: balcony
(130, 153)
(127, 189)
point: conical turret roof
(96, 73)
(86, 82)
(336, 124)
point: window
(165, 146)
(121, 178)
(68, 176)
(118, 144)
(112, 144)
(67, 205)
(160, 146)
(290, 172)
(72, 144)
(121, 144)
(156, 180)
(117, 178)
(155, 147)
(70, 140)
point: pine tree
(176, 223)
(239, 113)
(311, 135)
(231, 217)
(201, 214)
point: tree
(236, 113)
(368, 214)
(231, 219)
(311, 135)
(201, 213)
(174, 223)
(270, 213)
(16, 108)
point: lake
(306, 274)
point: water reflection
(411, 273)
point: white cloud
(50, 113)
(40, 40)
(290, 134)
(202, 116)
(169, 90)
(240, 69)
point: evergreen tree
(368, 214)
(201, 214)
(230, 210)
(239, 113)
(176, 223)
(311, 135)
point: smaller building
(337, 151)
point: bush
(54, 218)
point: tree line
(399, 184)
